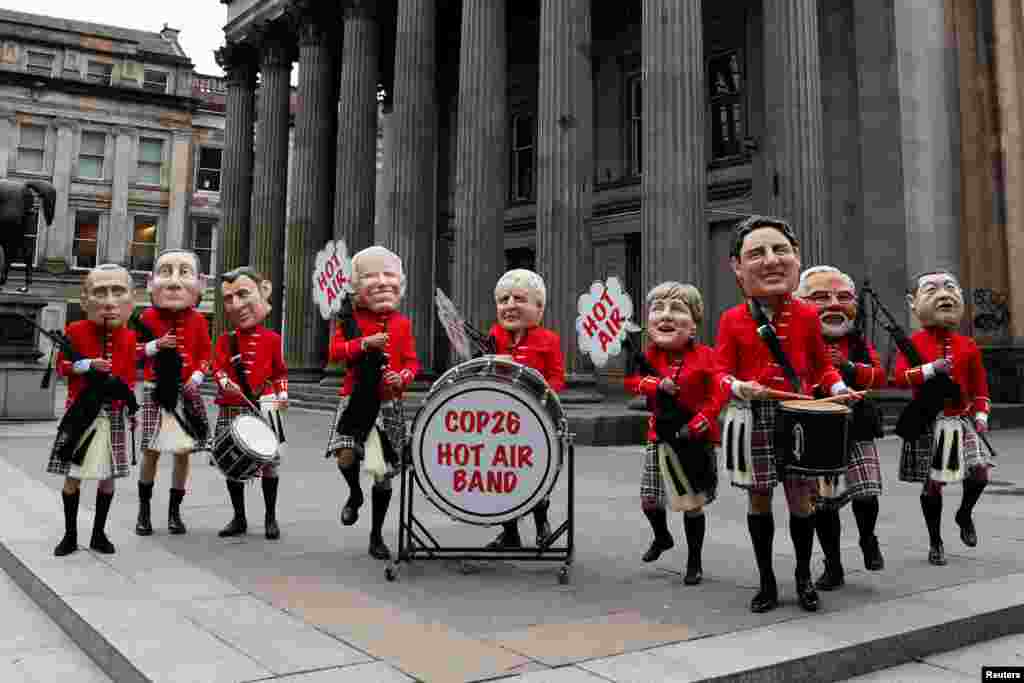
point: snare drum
(488, 442)
(811, 437)
(243, 449)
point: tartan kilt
(863, 476)
(915, 456)
(653, 487)
(224, 418)
(151, 414)
(390, 422)
(762, 454)
(118, 447)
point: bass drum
(489, 441)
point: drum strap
(767, 333)
(236, 362)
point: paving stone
(58, 664)
(376, 672)
(569, 674)
(642, 667)
(914, 673)
(1006, 651)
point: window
(90, 156)
(151, 155)
(208, 175)
(634, 121)
(40, 63)
(728, 125)
(87, 230)
(98, 72)
(522, 157)
(142, 249)
(31, 148)
(203, 231)
(29, 245)
(154, 80)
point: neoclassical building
(587, 139)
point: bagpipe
(363, 407)
(100, 388)
(921, 412)
(167, 365)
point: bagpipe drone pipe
(670, 419)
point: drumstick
(831, 399)
(778, 395)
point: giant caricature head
(107, 295)
(175, 283)
(765, 257)
(835, 296)
(937, 299)
(520, 296)
(674, 310)
(246, 296)
(379, 279)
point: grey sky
(201, 22)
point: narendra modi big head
(378, 278)
(176, 283)
(107, 295)
(833, 293)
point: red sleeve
(408, 363)
(222, 357)
(726, 354)
(278, 370)
(642, 385)
(979, 381)
(204, 348)
(906, 376)
(63, 365)
(342, 348)
(554, 366)
(714, 398)
(870, 376)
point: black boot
(762, 533)
(865, 511)
(508, 538)
(238, 524)
(663, 540)
(540, 519)
(99, 542)
(931, 507)
(380, 499)
(69, 543)
(829, 528)
(350, 512)
(694, 528)
(801, 531)
(972, 492)
(144, 525)
(174, 524)
(271, 530)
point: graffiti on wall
(991, 312)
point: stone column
(481, 174)
(181, 181)
(794, 122)
(1008, 19)
(118, 230)
(309, 222)
(357, 128)
(239, 64)
(674, 229)
(59, 235)
(929, 112)
(565, 166)
(270, 179)
(412, 195)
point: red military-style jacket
(87, 338)
(968, 371)
(400, 349)
(262, 361)
(700, 388)
(193, 336)
(742, 355)
(539, 348)
(866, 376)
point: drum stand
(415, 542)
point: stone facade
(588, 139)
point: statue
(16, 216)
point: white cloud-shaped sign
(332, 278)
(605, 316)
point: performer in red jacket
(379, 328)
(766, 261)
(686, 375)
(833, 293)
(176, 345)
(107, 348)
(938, 302)
(249, 368)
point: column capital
(240, 62)
(360, 9)
(312, 22)
(276, 43)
